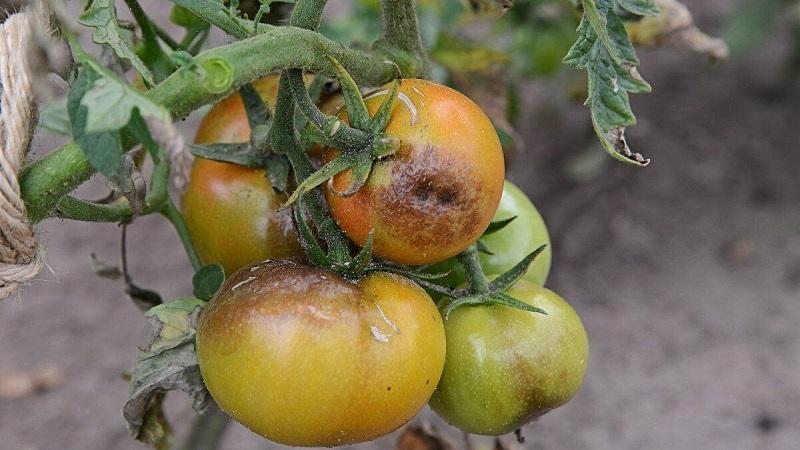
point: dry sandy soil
(687, 275)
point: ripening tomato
(231, 211)
(305, 358)
(438, 193)
(505, 366)
(510, 244)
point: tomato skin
(306, 358)
(511, 244)
(231, 211)
(437, 194)
(505, 366)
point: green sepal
(278, 169)
(258, 115)
(353, 101)
(501, 298)
(242, 154)
(384, 113)
(384, 146)
(498, 225)
(306, 237)
(362, 259)
(359, 170)
(483, 248)
(326, 172)
(506, 280)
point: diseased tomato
(303, 357)
(506, 366)
(510, 244)
(231, 211)
(438, 193)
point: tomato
(510, 244)
(231, 211)
(305, 358)
(505, 366)
(438, 193)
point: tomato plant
(304, 357)
(438, 192)
(292, 157)
(505, 367)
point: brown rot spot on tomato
(430, 197)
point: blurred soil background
(686, 274)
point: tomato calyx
(256, 154)
(361, 143)
(480, 291)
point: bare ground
(687, 276)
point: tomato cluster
(306, 357)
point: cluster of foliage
(293, 161)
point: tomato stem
(176, 218)
(470, 259)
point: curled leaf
(168, 362)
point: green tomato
(510, 244)
(504, 367)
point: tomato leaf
(102, 16)
(384, 113)
(111, 102)
(639, 7)
(168, 362)
(604, 50)
(207, 281)
(242, 154)
(102, 149)
(483, 248)
(353, 100)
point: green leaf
(207, 280)
(363, 258)
(110, 103)
(102, 16)
(604, 50)
(187, 19)
(241, 153)
(639, 7)
(103, 150)
(168, 362)
(359, 173)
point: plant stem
(470, 259)
(73, 208)
(46, 181)
(166, 38)
(176, 218)
(401, 32)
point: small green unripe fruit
(504, 367)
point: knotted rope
(21, 257)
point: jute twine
(21, 257)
